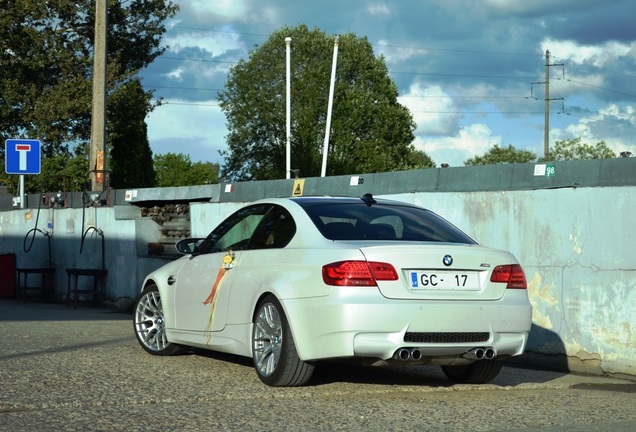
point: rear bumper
(383, 347)
(359, 322)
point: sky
(472, 72)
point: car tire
(479, 372)
(149, 324)
(273, 350)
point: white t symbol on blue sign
(22, 156)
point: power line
(460, 97)
(600, 121)
(464, 51)
(181, 88)
(454, 50)
(390, 72)
(169, 102)
(221, 31)
(393, 46)
(194, 60)
(609, 70)
(447, 75)
(462, 75)
(409, 73)
(602, 88)
(477, 112)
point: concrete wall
(574, 233)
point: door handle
(171, 280)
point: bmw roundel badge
(447, 260)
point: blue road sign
(22, 156)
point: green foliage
(502, 155)
(574, 149)
(71, 174)
(61, 172)
(178, 170)
(131, 161)
(46, 58)
(417, 159)
(571, 149)
(370, 130)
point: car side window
(234, 233)
(275, 230)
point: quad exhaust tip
(414, 354)
(486, 353)
(405, 354)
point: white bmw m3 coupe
(293, 281)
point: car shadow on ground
(351, 372)
(347, 371)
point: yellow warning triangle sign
(299, 184)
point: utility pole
(98, 117)
(546, 130)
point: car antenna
(368, 199)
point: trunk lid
(440, 271)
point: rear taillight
(511, 274)
(357, 273)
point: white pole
(325, 150)
(288, 111)
(21, 190)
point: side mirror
(189, 245)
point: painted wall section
(577, 249)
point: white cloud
(536, 6)
(596, 55)
(397, 54)
(608, 124)
(218, 12)
(577, 84)
(379, 9)
(216, 43)
(230, 9)
(471, 140)
(176, 74)
(195, 130)
(432, 109)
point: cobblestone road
(82, 370)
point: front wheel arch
(149, 324)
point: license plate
(444, 280)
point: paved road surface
(82, 370)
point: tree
(131, 161)
(370, 130)
(417, 159)
(204, 173)
(62, 172)
(178, 170)
(502, 155)
(574, 149)
(46, 58)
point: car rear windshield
(382, 221)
